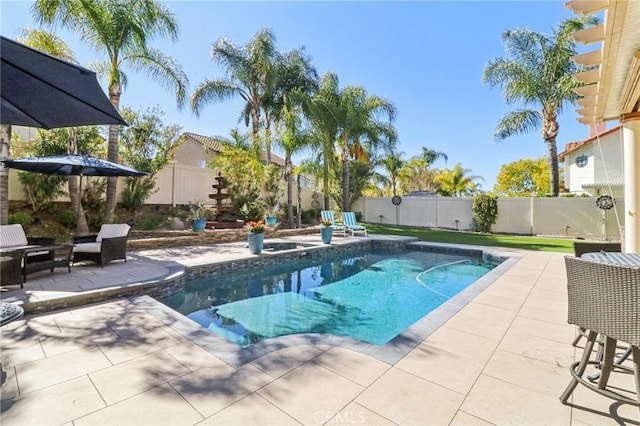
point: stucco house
(197, 150)
(595, 165)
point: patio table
(623, 259)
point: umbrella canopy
(81, 165)
(39, 90)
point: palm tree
(294, 139)
(430, 156)
(295, 78)
(457, 182)
(55, 46)
(319, 109)
(416, 175)
(392, 163)
(121, 30)
(357, 117)
(537, 73)
(250, 74)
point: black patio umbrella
(39, 90)
(68, 164)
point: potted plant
(255, 236)
(326, 230)
(197, 215)
(271, 218)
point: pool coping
(390, 353)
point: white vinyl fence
(176, 185)
(560, 216)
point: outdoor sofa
(22, 255)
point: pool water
(371, 296)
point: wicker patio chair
(109, 244)
(604, 299)
(582, 247)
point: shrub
(151, 221)
(67, 218)
(252, 211)
(485, 212)
(136, 191)
(23, 219)
(310, 217)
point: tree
(121, 30)
(523, 178)
(392, 163)
(54, 45)
(250, 75)
(294, 138)
(148, 145)
(416, 175)
(358, 116)
(41, 190)
(538, 72)
(430, 156)
(456, 182)
(239, 162)
(294, 77)
(319, 110)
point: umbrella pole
(78, 208)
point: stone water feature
(220, 208)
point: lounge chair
(109, 244)
(330, 215)
(351, 223)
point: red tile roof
(216, 145)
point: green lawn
(454, 237)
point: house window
(582, 160)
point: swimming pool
(368, 295)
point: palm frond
(164, 70)
(517, 122)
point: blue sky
(426, 57)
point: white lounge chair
(351, 223)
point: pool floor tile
(409, 400)
(137, 344)
(311, 394)
(136, 376)
(464, 419)
(282, 361)
(482, 320)
(210, 390)
(56, 404)
(161, 405)
(192, 356)
(352, 365)
(540, 376)
(50, 371)
(436, 366)
(250, 410)
(356, 414)
(502, 403)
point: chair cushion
(12, 235)
(113, 230)
(87, 247)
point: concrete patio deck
(501, 359)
